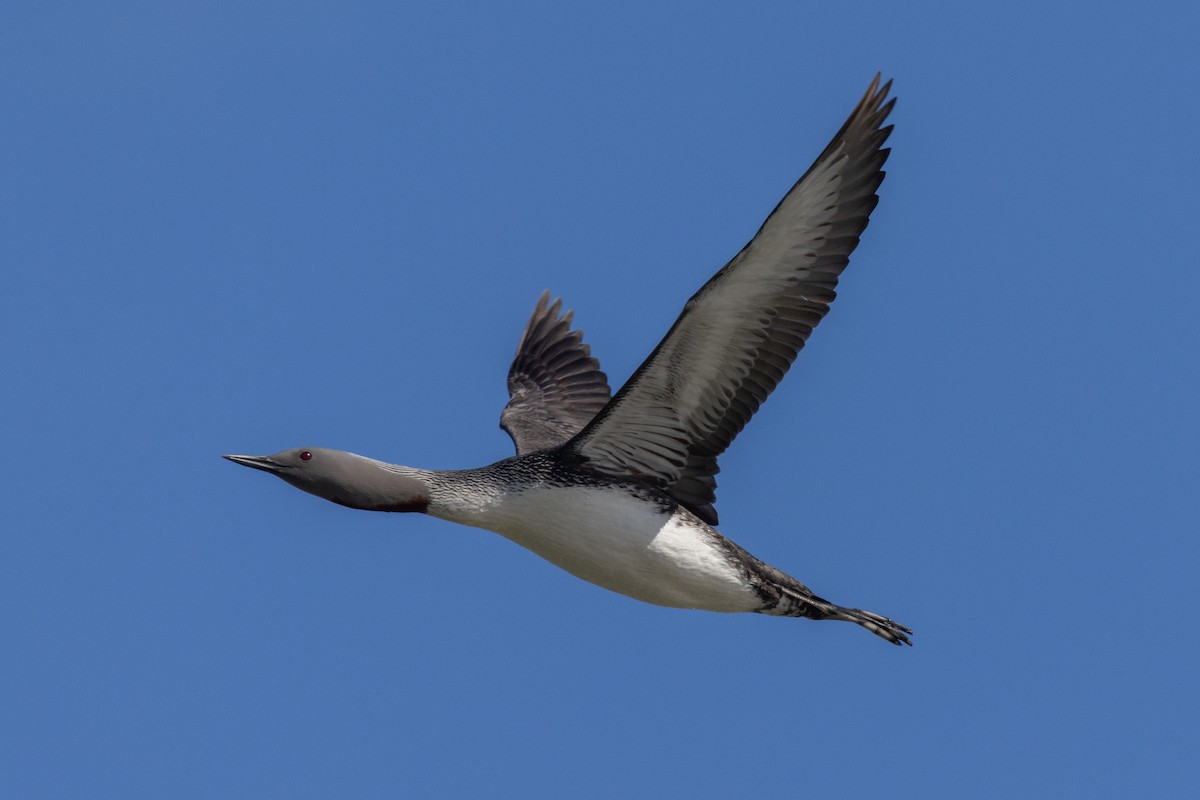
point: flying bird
(619, 490)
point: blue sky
(240, 227)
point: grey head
(344, 478)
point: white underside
(626, 547)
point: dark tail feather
(879, 625)
(815, 607)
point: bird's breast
(613, 538)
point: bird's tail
(806, 604)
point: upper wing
(738, 335)
(555, 386)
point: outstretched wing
(555, 386)
(738, 335)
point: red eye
(305, 456)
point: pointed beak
(265, 463)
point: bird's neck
(457, 495)
(373, 485)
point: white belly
(603, 538)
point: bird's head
(343, 478)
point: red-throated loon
(619, 491)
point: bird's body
(619, 491)
(625, 537)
